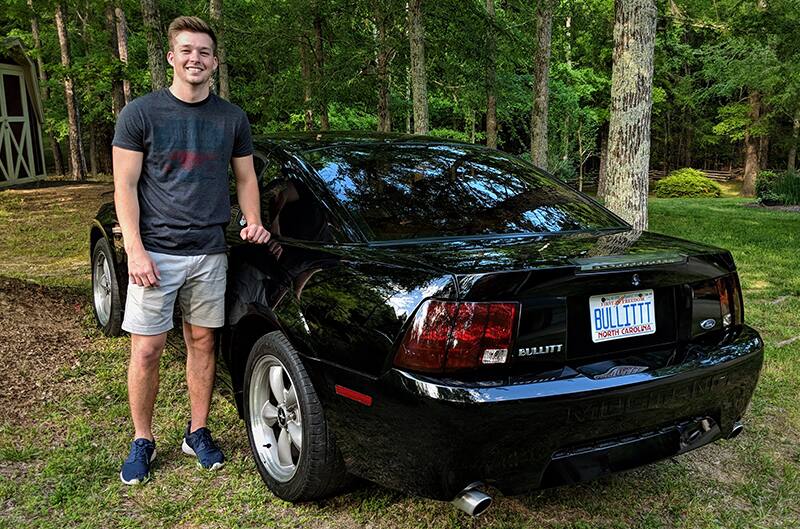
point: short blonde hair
(193, 25)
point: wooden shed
(21, 117)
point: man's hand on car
(255, 233)
(142, 270)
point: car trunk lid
(561, 281)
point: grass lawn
(60, 452)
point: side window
(270, 171)
(291, 210)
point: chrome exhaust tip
(472, 501)
(738, 427)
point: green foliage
(709, 57)
(778, 188)
(687, 183)
(765, 187)
(733, 121)
(787, 187)
(449, 134)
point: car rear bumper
(433, 437)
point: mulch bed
(795, 209)
(40, 333)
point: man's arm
(127, 164)
(249, 200)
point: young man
(171, 153)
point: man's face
(192, 57)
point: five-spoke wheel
(106, 296)
(275, 418)
(294, 449)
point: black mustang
(434, 316)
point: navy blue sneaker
(200, 444)
(136, 469)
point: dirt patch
(40, 334)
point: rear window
(406, 191)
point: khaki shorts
(198, 281)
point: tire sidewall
(276, 345)
(113, 327)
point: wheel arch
(242, 336)
(96, 232)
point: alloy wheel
(101, 289)
(275, 418)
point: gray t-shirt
(184, 201)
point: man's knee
(199, 340)
(147, 350)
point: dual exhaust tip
(472, 500)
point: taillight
(450, 336)
(730, 300)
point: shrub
(765, 187)
(787, 187)
(778, 188)
(687, 183)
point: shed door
(16, 149)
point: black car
(438, 315)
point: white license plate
(622, 315)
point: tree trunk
(602, 175)
(751, 145)
(122, 42)
(790, 164)
(319, 72)
(78, 166)
(215, 10)
(541, 62)
(580, 156)
(105, 136)
(687, 146)
(409, 104)
(472, 129)
(631, 107)
(382, 58)
(93, 150)
(419, 82)
(37, 44)
(155, 46)
(305, 71)
(491, 78)
(117, 91)
(763, 153)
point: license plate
(622, 315)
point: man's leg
(203, 305)
(143, 381)
(148, 317)
(200, 370)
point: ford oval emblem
(635, 281)
(708, 324)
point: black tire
(106, 296)
(318, 467)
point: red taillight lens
(730, 300)
(450, 336)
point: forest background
(726, 84)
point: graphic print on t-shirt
(189, 148)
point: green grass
(61, 469)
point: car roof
(299, 142)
